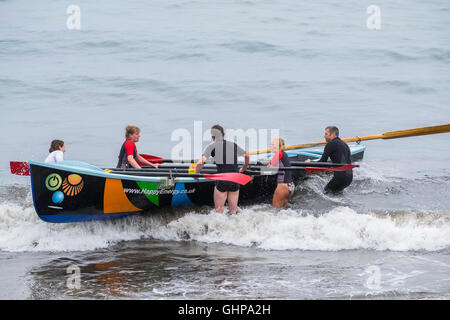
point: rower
(57, 149)
(128, 155)
(225, 154)
(339, 152)
(285, 185)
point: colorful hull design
(75, 191)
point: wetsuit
(339, 152)
(128, 148)
(225, 154)
(281, 160)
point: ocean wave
(22, 230)
(13, 47)
(261, 226)
(408, 54)
(183, 56)
(379, 211)
(256, 47)
(102, 44)
(340, 229)
(438, 54)
(406, 86)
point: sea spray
(22, 230)
(260, 226)
(341, 228)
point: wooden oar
(23, 168)
(387, 135)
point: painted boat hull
(76, 191)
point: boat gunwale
(88, 169)
(104, 174)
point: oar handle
(163, 170)
(144, 173)
(341, 167)
(316, 164)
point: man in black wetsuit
(339, 152)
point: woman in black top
(225, 154)
(285, 185)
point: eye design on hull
(72, 185)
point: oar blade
(151, 158)
(416, 132)
(239, 178)
(20, 168)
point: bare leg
(219, 200)
(233, 198)
(280, 196)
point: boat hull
(67, 195)
(76, 191)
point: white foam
(22, 230)
(341, 228)
(373, 172)
(259, 226)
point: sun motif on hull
(72, 185)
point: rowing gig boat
(72, 191)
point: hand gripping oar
(387, 135)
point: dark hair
(55, 145)
(217, 129)
(333, 129)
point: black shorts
(227, 186)
(339, 182)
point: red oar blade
(151, 158)
(20, 168)
(341, 168)
(240, 178)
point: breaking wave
(261, 226)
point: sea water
(295, 66)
